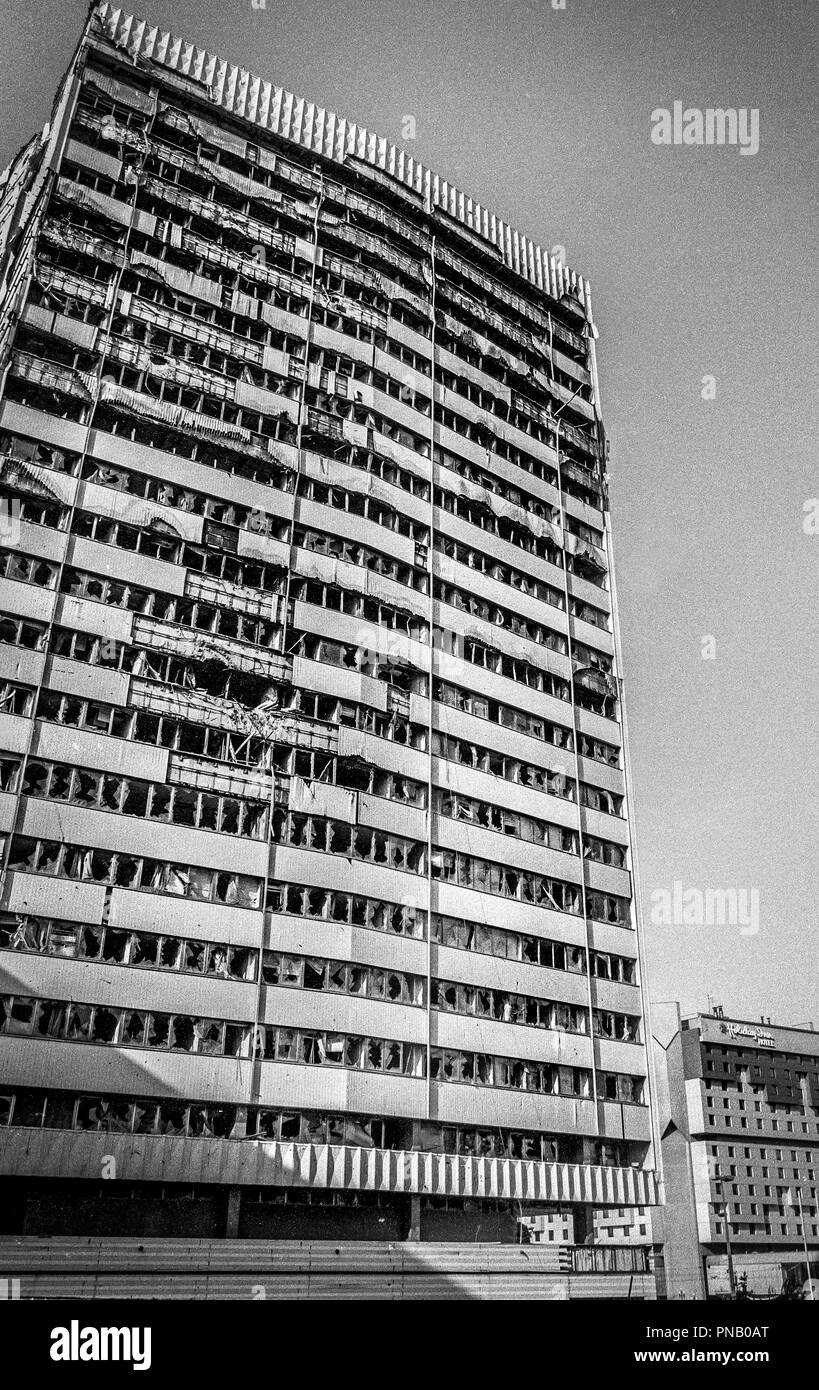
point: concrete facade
(317, 874)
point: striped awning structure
(257, 1163)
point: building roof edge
(259, 102)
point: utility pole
(732, 1283)
(805, 1246)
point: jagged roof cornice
(263, 104)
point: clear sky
(701, 263)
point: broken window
(79, 1022)
(104, 1026)
(172, 1119)
(193, 956)
(145, 949)
(209, 1036)
(333, 1049)
(112, 793)
(218, 961)
(62, 938)
(127, 870)
(200, 884)
(158, 1030)
(314, 974)
(133, 1030)
(35, 779)
(115, 946)
(101, 865)
(182, 1033)
(86, 789)
(286, 1044)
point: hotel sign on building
(741, 1031)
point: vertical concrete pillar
(583, 1214)
(414, 1231)
(234, 1207)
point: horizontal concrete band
(118, 1255)
(235, 1269)
(417, 1285)
(251, 1162)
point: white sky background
(701, 262)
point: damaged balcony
(240, 722)
(221, 665)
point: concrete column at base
(656, 1261)
(234, 1206)
(414, 1231)
(414, 1218)
(583, 1214)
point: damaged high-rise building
(317, 904)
